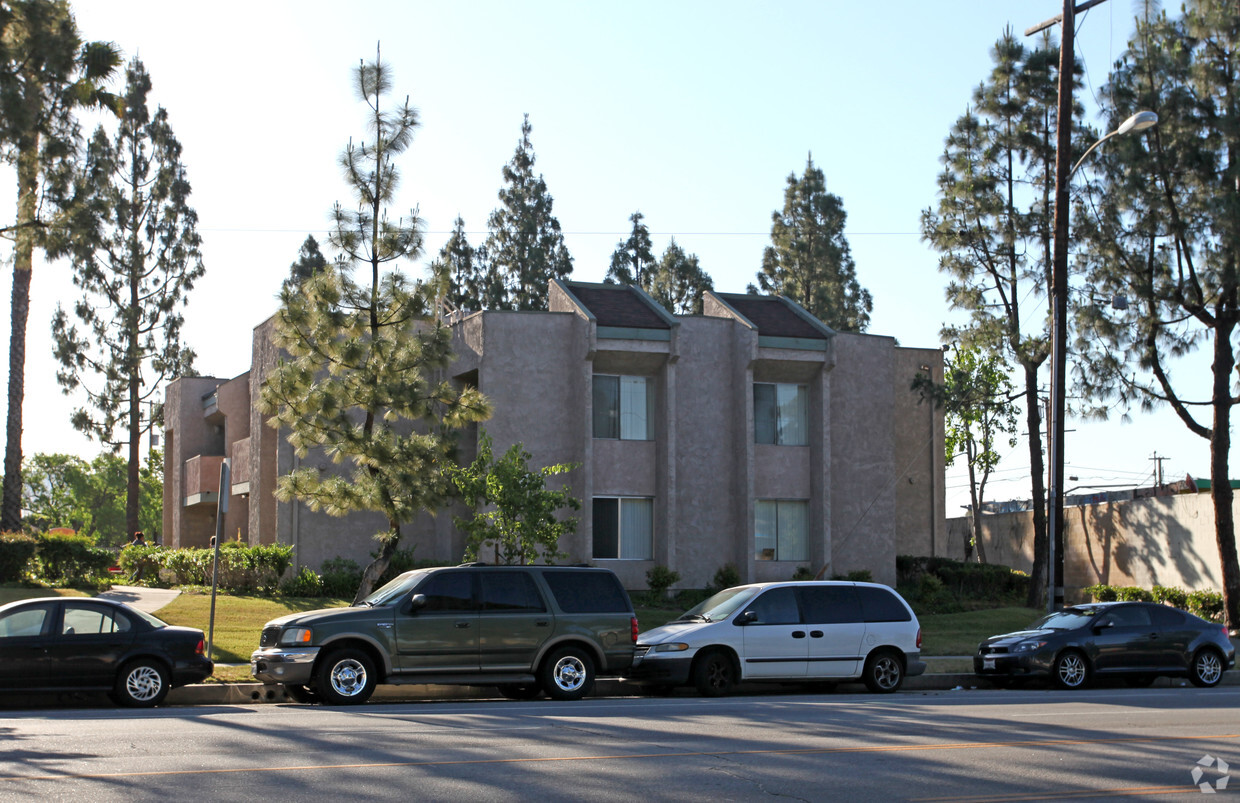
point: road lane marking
(615, 757)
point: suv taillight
(633, 621)
(919, 638)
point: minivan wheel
(714, 674)
(141, 684)
(884, 672)
(567, 674)
(347, 677)
(1207, 668)
(1071, 670)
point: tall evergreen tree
(1163, 230)
(46, 71)
(310, 261)
(809, 260)
(525, 246)
(678, 281)
(361, 380)
(458, 272)
(135, 254)
(633, 260)
(993, 227)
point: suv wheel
(1207, 668)
(567, 674)
(884, 672)
(347, 677)
(714, 674)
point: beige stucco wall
(1166, 540)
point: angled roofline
(655, 306)
(826, 331)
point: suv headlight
(295, 636)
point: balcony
(202, 480)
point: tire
(567, 674)
(884, 672)
(141, 684)
(301, 694)
(1071, 670)
(1207, 668)
(520, 691)
(714, 674)
(346, 677)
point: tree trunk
(23, 266)
(1033, 418)
(370, 577)
(1220, 483)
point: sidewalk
(145, 599)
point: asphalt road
(932, 746)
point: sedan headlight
(1028, 646)
(295, 636)
(671, 646)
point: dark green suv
(525, 629)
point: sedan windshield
(394, 590)
(1068, 619)
(719, 606)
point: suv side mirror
(746, 618)
(417, 601)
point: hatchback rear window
(587, 592)
(880, 605)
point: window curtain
(764, 531)
(793, 531)
(634, 419)
(636, 529)
(607, 407)
(793, 415)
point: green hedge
(16, 550)
(943, 585)
(1206, 604)
(69, 560)
(243, 568)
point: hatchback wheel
(141, 684)
(347, 677)
(1071, 670)
(1207, 668)
(884, 672)
(714, 675)
(567, 674)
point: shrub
(856, 576)
(341, 577)
(305, 583)
(16, 550)
(1175, 597)
(140, 565)
(967, 582)
(803, 573)
(726, 577)
(1206, 604)
(1133, 594)
(660, 579)
(1101, 593)
(63, 559)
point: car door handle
(542, 623)
(798, 634)
(815, 634)
(462, 625)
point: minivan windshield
(395, 589)
(720, 606)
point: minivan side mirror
(746, 618)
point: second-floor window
(780, 414)
(622, 408)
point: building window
(623, 528)
(781, 530)
(622, 406)
(781, 414)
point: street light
(1059, 336)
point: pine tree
(678, 281)
(633, 261)
(362, 380)
(457, 272)
(993, 228)
(135, 254)
(1161, 228)
(310, 261)
(45, 73)
(809, 260)
(525, 246)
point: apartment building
(750, 435)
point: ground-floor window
(623, 528)
(781, 529)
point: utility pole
(1158, 472)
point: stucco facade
(862, 480)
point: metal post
(221, 508)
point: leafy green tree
(678, 281)
(1162, 230)
(46, 72)
(514, 511)
(65, 491)
(361, 381)
(525, 246)
(993, 228)
(135, 257)
(310, 261)
(809, 260)
(633, 261)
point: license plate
(988, 663)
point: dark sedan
(85, 643)
(1137, 641)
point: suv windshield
(719, 606)
(395, 589)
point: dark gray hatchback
(525, 629)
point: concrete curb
(254, 693)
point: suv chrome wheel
(348, 678)
(568, 675)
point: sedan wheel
(141, 684)
(1071, 670)
(1207, 669)
(347, 678)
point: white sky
(693, 113)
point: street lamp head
(1138, 122)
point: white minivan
(785, 632)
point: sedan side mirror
(746, 618)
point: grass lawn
(959, 633)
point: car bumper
(284, 666)
(1008, 665)
(192, 670)
(655, 669)
(913, 665)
